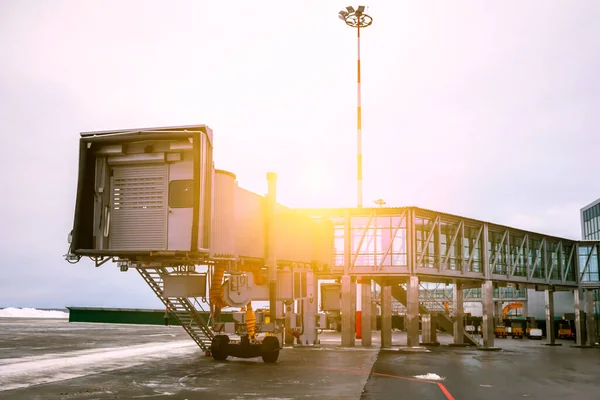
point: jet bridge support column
(309, 312)
(366, 311)
(550, 337)
(499, 320)
(348, 313)
(487, 302)
(412, 312)
(428, 335)
(589, 316)
(348, 310)
(373, 306)
(386, 315)
(579, 324)
(459, 314)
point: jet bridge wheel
(270, 349)
(218, 347)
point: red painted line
(358, 371)
(405, 378)
(445, 391)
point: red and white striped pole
(357, 19)
(358, 324)
(359, 129)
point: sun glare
(315, 181)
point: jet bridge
(150, 199)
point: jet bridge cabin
(144, 192)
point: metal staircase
(185, 310)
(443, 319)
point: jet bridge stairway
(183, 309)
(443, 319)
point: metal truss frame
(451, 247)
(513, 249)
(378, 268)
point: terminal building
(590, 232)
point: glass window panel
(381, 222)
(339, 245)
(181, 194)
(396, 220)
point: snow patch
(12, 312)
(430, 377)
(23, 372)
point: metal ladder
(184, 310)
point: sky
(482, 109)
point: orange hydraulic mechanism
(249, 346)
(216, 291)
(250, 322)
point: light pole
(357, 19)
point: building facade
(588, 255)
(590, 221)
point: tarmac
(55, 359)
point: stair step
(184, 310)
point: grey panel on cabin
(139, 207)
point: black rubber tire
(218, 347)
(271, 356)
(270, 349)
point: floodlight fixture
(380, 202)
(356, 18)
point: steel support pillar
(412, 312)
(386, 315)
(579, 325)
(589, 316)
(309, 311)
(353, 290)
(550, 336)
(348, 310)
(366, 310)
(374, 314)
(426, 328)
(487, 302)
(459, 314)
(373, 306)
(348, 339)
(499, 320)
